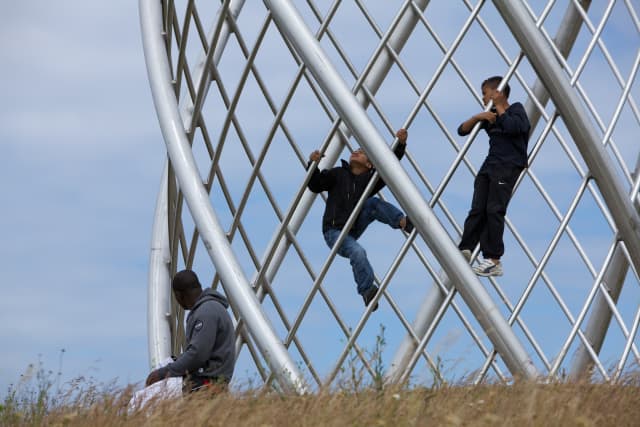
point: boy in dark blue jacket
(345, 185)
(508, 129)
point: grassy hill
(518, 404)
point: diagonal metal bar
(425, 181)
(291, 24)
(371, 78)
(323, 24)
(578, 322)
(260, 293)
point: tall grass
(522, 403)
(38, 400)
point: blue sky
(81, 164)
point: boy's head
(490, 85)
(186, 288)
(359, 158)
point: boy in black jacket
(345, 185)
(508, 129)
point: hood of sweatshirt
(211, 295)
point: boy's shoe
(408, 226)
(466, 253)
(368, 295)
(488, 268)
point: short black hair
(493, 83)
(185, 280)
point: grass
(39, 399)
(82, 403)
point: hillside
(522, 404)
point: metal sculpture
(242, 103)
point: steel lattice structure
(244, 91)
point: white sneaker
(466, 253)
(488, 268)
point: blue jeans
(373, 209)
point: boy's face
(487, 93)
(181, 299)
(359, 157)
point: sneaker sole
(488, 274)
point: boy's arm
(398, 151)
(402, 143)
(319, 181)
(514, 120)
(205, 328)
(465, 127)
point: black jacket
(344, 190)
(508, 137)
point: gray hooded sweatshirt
(210, 341)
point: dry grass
(526, 404)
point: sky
(81, 165)
(83, 155)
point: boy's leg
(501, 183)
(375, 209)
(350, 248)
(476, 219)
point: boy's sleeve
(461, 132)
(399, 152)
(320, 180)
(205, 328)
(514, 121)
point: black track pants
(485, 222)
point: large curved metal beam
(159, 287)
(496, 327)
(577, 121)
(213, 237)
(601, 314)
(159, 282)
(564, 41)
(616, 272)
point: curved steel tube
(159, 289)
(213, 237)
(584, 134)
(159, 281)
